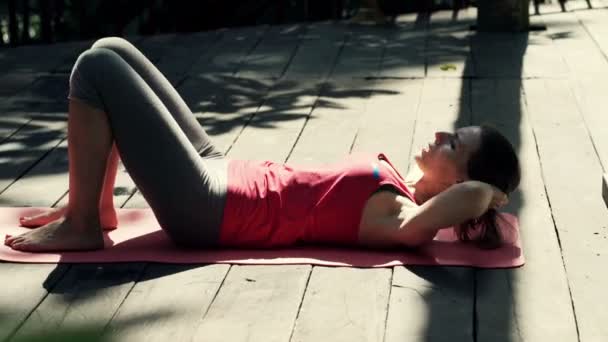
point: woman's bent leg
(172, 101)
(185, 192)
(174, 104)
(89, 143)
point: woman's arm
(457, 204)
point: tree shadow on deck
(492, 94)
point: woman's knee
(112, 43)
(92, 69)
(95, 62)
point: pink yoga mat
(139, 238)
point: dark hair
(495, 163)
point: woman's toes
(28, 221)
(8, 239)
(19, 246)
(16, 239)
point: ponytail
(482, 231)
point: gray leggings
(171, 159)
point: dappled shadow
(227, 99)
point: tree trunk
(25, 34)
(46, 29)
(13, 28)
(503, 15)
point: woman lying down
(121, 106)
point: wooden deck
(312, 94)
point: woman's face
(445, 159)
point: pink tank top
(274, 205)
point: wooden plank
(388, 122)
(24, 67)
(88, 295)
(255, 303)
(230, 52)
(571, 170)
(430, 304)
(283, 111)
(589, 89)
(25, 286)
(344, 304)
(513, 55)
(330, 129)
(175, 314)
(404, 55)
(577, 49)
(24, 149)
(221, 100)
(448, 46)
(361, 55)
(517, 304)
(10, 124)
(25, 61)
(48, 92)
(184, 52)
(290, 103)
(344, 108)
(155, 46)
(266, 59)
(595, 25)
(45, 183)
(316, 51)
(38, 88)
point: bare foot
(60, 235)
(109, 220)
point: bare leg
(107, 212)
(89, 146)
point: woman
(203, 200)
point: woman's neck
(423, 188)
